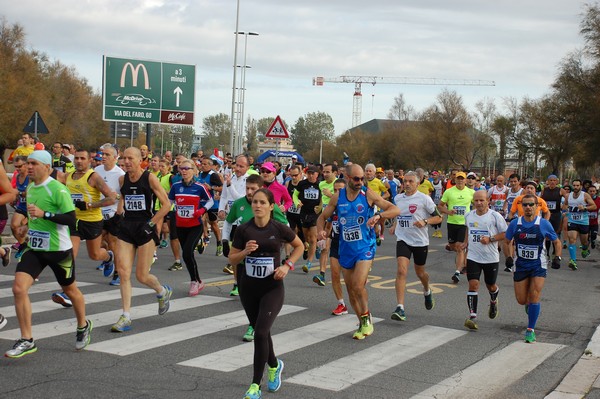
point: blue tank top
(206, 180)
(355, 236)
(22, 196)
(529, 241)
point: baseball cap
(312, 169)
(461, 174)
(471, 174)
(268, 166)
(552, 177)
(39, 146)
(434, 173)
(41, 156)
(98, 158)
(294, 156)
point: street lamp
(232, 133)
(243, 92)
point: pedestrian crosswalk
(364, 363)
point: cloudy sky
(517, 44)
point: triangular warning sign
(35, 123)
(277, 130)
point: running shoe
(593, 243)
(84, 335)
(555, 263)
(3, 321)
(274, 382)
(62, 299)
(20, 251)
(253, 392)
(21, 348)
(200, 248)
(306, 267)
(109, 265)
(529, 336)
(471, 324)
(249, 334)
(378, 241)
(493, 311)
(6, 257)
(565, 244)
(234, 291)
(318, 252)
(319, 280)
(340, 310)
(399, 314)
(305, 253)
(366, 325)
(508, 264)
(585, 253)
(163, 244)
(358, 333)
(448, 248)
(228, 269)
(382, 237)
(164, 301)
(429, 301)
(116, 281)
(196, 287)
(573, 264)
(219, 250)
(176, 266)
(100, 267)
(123, 324)
(456, 277)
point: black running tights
(188, 239)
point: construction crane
(373, 80)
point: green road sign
(148, 91)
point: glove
(555, 263)
(199, 212)
(149, 230)
(226, 248)
(81, 205)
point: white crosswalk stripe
(38, 288)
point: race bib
(39, 240)
(576, 216)
(476, 235)
(593, 215)
(551, 205)
(293, 209)
(185, 211)
(404, 221)
(135, 202)
(259, 267)
(107, 213)
(77, 197)
(353, 234)
(460, 210)
(498, 205)
(311, 194)
(528, 251)
(336, 228)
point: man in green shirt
(327, 190)
(456, 203)
(51, 214)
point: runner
(417, 211)
(52, 213)
(438, 186)
(529, 232)
(354, 207)
(485, 227)
(593, 192)
(514, 191)
(256, 251)
(307, 197)
(553, 196)
(138, 234)
(327, 189)
(293, 212)
(577, 204)
(214, 181)
(7, 195)
(382, 189)
(18, 223)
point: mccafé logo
(134, 75)
(176, 117)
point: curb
(584, 375)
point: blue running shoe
(253, 392)
(62, 299)
(529, 336)
(116, 281)
(275, 377)
(109, 265)
(21, 250)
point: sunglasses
(527, 204)
(265, 171)
(184, 168)
(357, 179)
(296, 175)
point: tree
(216, 129)
(400, 110)
(310, 129)
(252, 136)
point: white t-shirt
(413, 208)
(489, 224)
(111, 178)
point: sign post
(277, 131)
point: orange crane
(373, 80)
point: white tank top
(111, 178)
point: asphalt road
(195, 350)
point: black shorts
(213, 215)
(87, 230)
(132, 231)
(555, 219)
(294, 220)
(580, 228)
(334, 248)
(405, 251)
(61, 262)
(309, 220)
(111, 226)
(456, 233)
(490, 271)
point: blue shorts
(522, 274)
(349, 260)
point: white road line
(37, 288)
(4, 277)
(231, 359)
(489, 376)
(68, 326)
(97, 297)
(342, 373)
(147, 340)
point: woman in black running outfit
(256, 252)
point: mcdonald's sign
(148, 91)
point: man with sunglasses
(293, 212)
(354, 206)
(529, 233)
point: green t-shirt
(323, 184)
(241, 212)
(44, 235)
(459, 200)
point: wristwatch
(47, 215)
(151, 223)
